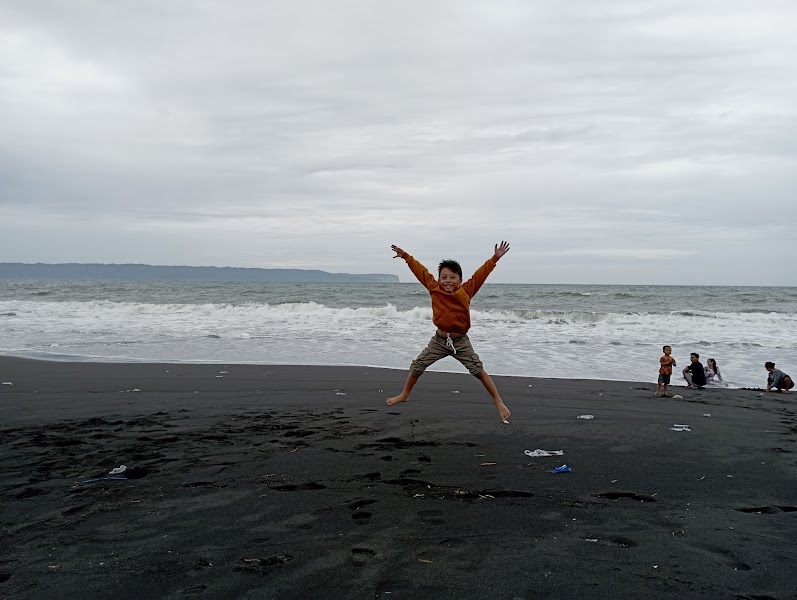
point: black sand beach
(276, 482)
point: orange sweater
(451, 312)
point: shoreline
(72, 359)
(300, 481)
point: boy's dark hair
(769, 365)
(449, 264)
(695, 354)
(663, 348)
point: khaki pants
(437, 349)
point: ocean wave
(254, 312)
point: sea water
(572, 331)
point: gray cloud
(609, 142)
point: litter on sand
(8, 383)
(562, 469)
(677, 427)
(118, 470)
(677, 397)
(105, 479)
(585, 417)
(540, 452)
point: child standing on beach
(667, 362)
(451, 316)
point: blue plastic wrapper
(562, 469)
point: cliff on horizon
(135, 272)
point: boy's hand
(399, 252)
(502, 249)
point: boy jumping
(451, 315)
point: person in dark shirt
(693, 373)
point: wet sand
(281, 482)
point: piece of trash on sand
(585, 417)
(541, 452)
(562, 469)
(340, 394)
(133, 390)
(118, 470)
(487, 464)
(530, 385)
(677, 397)
(614, 481)
(706, 414)
(7, 383)
(677, 427)
(455, 391)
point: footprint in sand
(431, 517)
(361, 556)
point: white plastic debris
(678, 397)
(677, 427)
(585, 417)
(541, 452)
(118, 470)
(7, 383)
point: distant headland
(136, 272)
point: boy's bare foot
(503, 411)
(397, 399)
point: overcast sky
(609, 142)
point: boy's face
(449, 280)
(667, 350)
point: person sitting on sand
(694, 374)
(451, 315)
(712, 371)
(777, 379)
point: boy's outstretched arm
(423, 275)
(473, 284)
